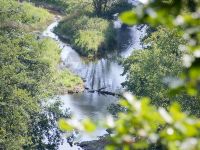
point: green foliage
(42, 125)
(178, 13)
(50, 52)
(33, 16)
(143, 126)
(22, 15)
(79, 7)
(99, 7)
(70, 124)
(146, 69)
(67, 82)
(106, 8)
(89, 41)
(24, 82)
(28, 76)
(118, 6)
(114, 109)
(63, 81)
(82, 23)
(88, 35)
(150, 72)
(59, 5)
(178, 131)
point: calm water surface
(105, 72)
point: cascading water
(105, 72)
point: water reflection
(105, 72)
(90, 105)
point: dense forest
(71, 79)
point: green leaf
(128, 17)
(110, 147)
(64, 125)
(89, 125)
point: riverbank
(28, 18)
(67, 82)
(57, 6)
(90, 36)
(28, 66)
(64, 81)
(90, 32)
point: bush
(24, 14)
(89, 42)
(63, 81)
(146, 69)
(88, 35)
(143, 126)
(67, 82)
(33, 16)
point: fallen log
(101, 88)
(109, 93)
(92, 91)
(86, 88)
(103, 92)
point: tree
(146, 69)
(25, 75)
(43, 131)
(175, 14)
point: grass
(64, 80)
(34, 17)
(68, 82)
(57, 5)
(23, 16)
(89, 35)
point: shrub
(88, 35)
(34, 16)
(68, 82)
(24, 14)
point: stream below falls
(105, 72)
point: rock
(95, 144)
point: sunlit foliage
(89, 35)
(24, 15)
(86, 25)
(24, 82)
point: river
(105, 72)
